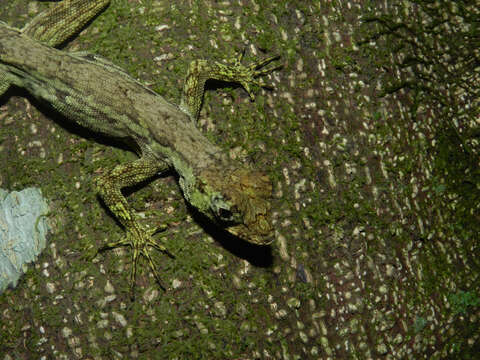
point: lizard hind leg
(58, 24)
(137, 237)
(66, 18)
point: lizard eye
(225, 214)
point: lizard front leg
(200, 71)
(137, 237)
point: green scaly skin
(101, 97)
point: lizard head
(237, 199)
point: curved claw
(240, 56)
(109, 246)
(262, 63)
(160, 248)
(247, 88)
(156, 229)
(153, 269)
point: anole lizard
(96, 94)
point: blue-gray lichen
(23, 230)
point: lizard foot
(140, 241)
(246, 75)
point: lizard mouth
(244, 233)
(259, 233)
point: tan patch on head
(249, 192)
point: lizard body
(101, 97)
